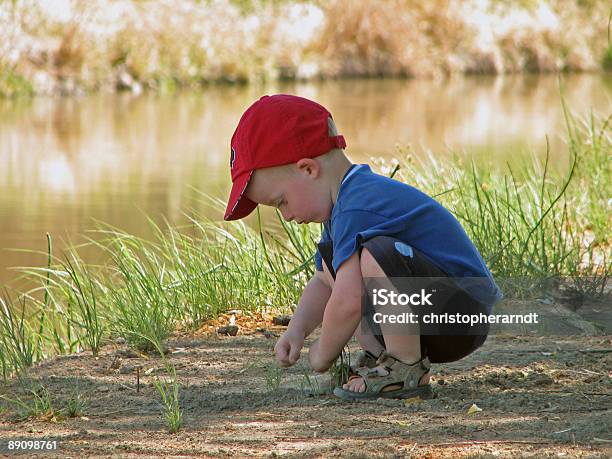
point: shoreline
(69, 48)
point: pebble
(230, 330)
(126, 369)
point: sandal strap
(399, 373)
(364, 359)
(409, 373)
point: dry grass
(68, 46)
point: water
(65, 163)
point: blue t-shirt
(369, 204)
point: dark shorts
(439, 348)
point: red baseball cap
(275, 130)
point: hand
(288, 348)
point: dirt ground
(540, 397)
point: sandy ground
(540, 397)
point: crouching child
(379, 235)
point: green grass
(19, 345)
(82, 289)
(535, 220)
(38, 404)
(168, 389)
(340, 370)
(75, 405)
(274, 376)
(13, 85)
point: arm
(309, 312)
(307, 317)
(342, 315)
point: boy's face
(295, 189)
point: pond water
(65, 163)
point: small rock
(126, 369)
(230, 330)
(116, 364)
(281, 320)
(103, 389)
(542, 379)
(128, 353)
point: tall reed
(19, 344)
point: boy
(286, 153)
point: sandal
(399, 374)
(364, 359)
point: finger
(280, 344)
(294, 354)
(282, 352)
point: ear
(249, 191)
(309, 166)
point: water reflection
(66, 161)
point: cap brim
(238, 205)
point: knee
(369, 265)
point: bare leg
(406, 347)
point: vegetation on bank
(69, 46)
(527, 222)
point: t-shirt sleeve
(318, 259)
(349, 229)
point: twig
(127, 387)
(585, 372)
(592, 372)
(524, 351)
(559, 391)
(372, 437)
(521, 351)
(561, 411)
(108, 413)
(486, 442)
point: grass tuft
(168, 389)
(18, 341)
(38, 404)
(75, 405)
(274, 376)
